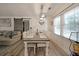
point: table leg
(26, 51)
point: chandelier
(43, 15)
(41, 21)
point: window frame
(56, 18)
(62, 21)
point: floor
(53, 51)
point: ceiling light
(41, 22)
(43, 15)
(41, 18)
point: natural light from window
(57, 25)
(70, 24)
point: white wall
(44, 27)
(61, 41)
(8, 28)
(34, 23)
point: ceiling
(13, 9)
(30, 9)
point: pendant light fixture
(43, 15)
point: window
(77, 18)
(69, 23)
(57, 25)
(77, 23)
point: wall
(43, 28)
(11, 28)
(34, 23)
(61, 41)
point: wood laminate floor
(53, 51)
